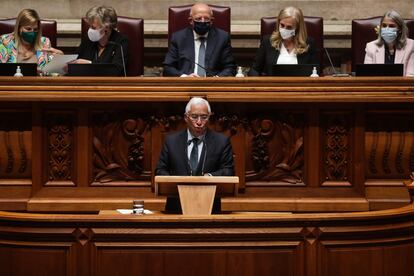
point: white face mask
(95, 35)
(285, 33)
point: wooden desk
(359, 244)
(300, 144)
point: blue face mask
(201, 28)
(389, 34)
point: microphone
(122, 54)
(208, 71)
(335, 74)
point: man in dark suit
(196, 150)
(200, 50)
(212, 150)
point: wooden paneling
(300, 144)
(28, 258)
(348, 243)
(255, 261)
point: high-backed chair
(49, 28)
(363, 31)
(178, 18)
(314, 28)
(133, 29)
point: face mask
(389, 34)
(95, 35)
(201, 28)
(29, 37)
(285, 33)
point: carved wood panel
(122, 145)
(60, 128)
(336, 147)
(389, 146)
(15, 145)
(275, 149)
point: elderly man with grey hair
(197, 150)
(201, 50)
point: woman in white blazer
(392, 45)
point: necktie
(201, 57)
(194, 156)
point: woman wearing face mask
(392, 45)
(104, 42)
(26, 44)
(288, 44)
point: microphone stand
(122, 54)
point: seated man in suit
(196, 150)
(200, 50)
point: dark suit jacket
(216, 157)
(112, 53)
(218, 60)
(267, 56)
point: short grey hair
(402, 32)
(105, 15)
(196, 101)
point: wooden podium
(196, 192)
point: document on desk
(58, 64)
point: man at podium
(197, 150)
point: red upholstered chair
(178, 18)
(49, 28)
(133, 29)
(314, 28)
(363, 31)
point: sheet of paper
(130, 211)
(58, 64)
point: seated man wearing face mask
(288, 44)
(103, 44)
(200, 50)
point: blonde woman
(26, 44)
(288, 44)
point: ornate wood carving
(119, 145)
(15, 146)
(336, 153)
(389, 143)
(276, 153)
(60, 146)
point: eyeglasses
(195, 117)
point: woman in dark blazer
(288, 44)
(104, 42)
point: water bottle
(18, 72)
(239, 73)
(314, 73)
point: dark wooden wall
(300, 144)
(347, 244)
